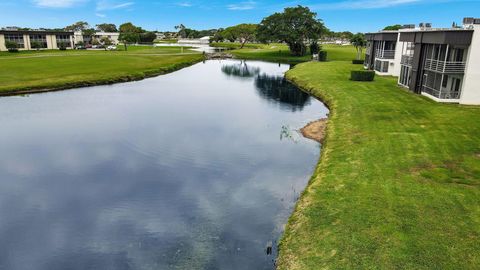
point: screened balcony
(451, 67)
(442, 86)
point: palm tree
(359, 42)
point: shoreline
(135, 76)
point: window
(17, 38)
(381, 66)
(405, 76)
(42, 39)
(63, 39)
(445, 81)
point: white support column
(471, 80)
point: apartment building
(382, 53)
(440, 63)
(46, 39)
(113, 36)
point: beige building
(113, 36)
(47, 39)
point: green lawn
(398, 183)
(280, 52)
(25, 71)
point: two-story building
(382, 54)
(46, 39)
(442, 64)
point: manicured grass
(280, 52)
(58, 70)
(398, 183)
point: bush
(362, 75)
(62, 46)
(36, 45)
(322, 56)
(358, 62)
(11, 46)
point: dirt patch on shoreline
(315, 130)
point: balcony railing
(445, 66)
(406, 60)
(444, 94)
(385, 54)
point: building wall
(398, 58)
(471, 83)
(2, 43)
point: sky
(338, 15)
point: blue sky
(339, 15)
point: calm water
(198, 169)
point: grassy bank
(52, 70)
(398, 183)
(280, 53)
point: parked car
(80, 47)
(88, 46)
(112, 48)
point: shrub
(322, 56)
(11, 46)
(36, 45)
(358, 62)
(362, 75)
(62, 46)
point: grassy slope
(398, 184)
(57, 70)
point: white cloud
(58, 3)
(110, 5)
(185, 4)
(100, 15)
(364, 4)
(242, 5)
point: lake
(198, 169)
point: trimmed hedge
(322, 56)
(362, 75)
(358, 62)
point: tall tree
(129, 33)
(78, 26)
(359, 42)
(295, 26)
(393, 27)
(107, 27)
(244, 32)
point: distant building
(47, 39)
(440, 63)
(203, 40)
(113, 36)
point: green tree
(295, 26)
(393, 27)
(359, 42)
(36, 45)
(78, 26)
(243, 32)
(181, 30)
(88, 33)
(12, 46)
(129, 38)
(107, 27)
(129, 34)
(148, 37)
(130, 28)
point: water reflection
(241, 69)
(183, 171)
(279, 90)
